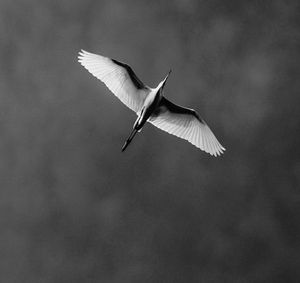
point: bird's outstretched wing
(185, 123)
(118, 77)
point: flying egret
(149, 103)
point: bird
(150, 104)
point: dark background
(73, 208)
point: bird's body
(150, 104)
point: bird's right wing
(185, 123)
(118, 77)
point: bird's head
(163, 82)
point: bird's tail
(130, 138)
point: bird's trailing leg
(130, 138)
(137, 127)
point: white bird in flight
(149, 103)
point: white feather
(116, 78)
(188, 127)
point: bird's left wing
(185, 123)
(118, 77)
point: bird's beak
(165, 79)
